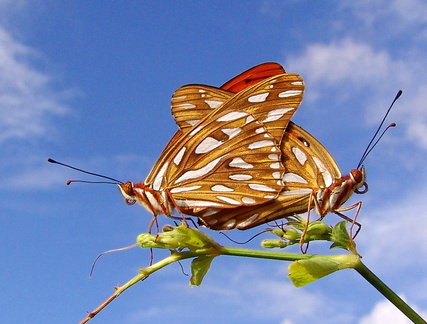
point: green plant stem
(261, 254)
(143, 274)
(271, 255)
(388, 293)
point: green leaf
(199, 267)
(180, 237)
(342, 239)
(303, 272)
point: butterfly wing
(308, 166)
(252, 76)
(272, 101)
(242, 81)
(230, 158)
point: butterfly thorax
(155, 201)
(330, 199)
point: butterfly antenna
(109, 251)
(375, 141)
(84, 171)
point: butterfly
(227, 154)
(312, 178)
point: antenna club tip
(393, 125)
(50, 160)
(68, 182)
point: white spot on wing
(297, 83)
(240, 163)
(269, 196)
(327, 177)
(229, 200)
(248, 221)
(260, 187)
(293, 177)
(259, 97)
(185, 106)
(208, 144)
(196, 130)
(192, 122)
(260, 130)
(296, 192)
(221, 188)
(231, 132)
(276, 175)
(159, 177)
(240, 177)
(232, 116)
(289, 93)
(178, 157)
(230, 223)
(214, 103)
(195, 203)
(275, 165)
(193, 174)
(259, 144)
(184, 189)
(248, 200)
(300, 155)
(276, 114)
(210, 212)
(273, 157)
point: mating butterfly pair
(237, 160)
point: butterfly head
(128, 192)
(358, 177)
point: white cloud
(410, 11)
(27, 97)
(355, 63)
(350, 71)
(385, 312)
(394, 234)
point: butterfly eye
(130, 202)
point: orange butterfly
(228, 155)
(311, 178)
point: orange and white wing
(272, 101)
(308, 166)
(224, 162)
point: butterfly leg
(353, 220)
(312, 200)
(174, 205)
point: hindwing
(308, 166)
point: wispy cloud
(27, 96)
(349, 69)
(408, 12)
(385, 312)
(346, 60)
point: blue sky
(89, 83)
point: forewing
(243, 80)
(272, 101)
(228, 161)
